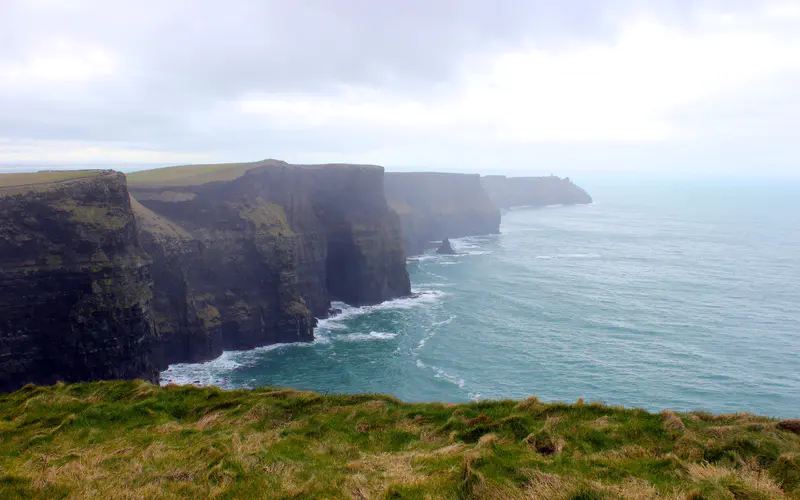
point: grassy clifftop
(196, 175)
(135, 440)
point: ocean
(679, 294)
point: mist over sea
(663, 294)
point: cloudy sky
(503, 85)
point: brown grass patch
(529, 404)
(600, 423)
(757, 481)
(672, 422)
(207, 421)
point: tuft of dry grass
(672, 422)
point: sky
(471, 85)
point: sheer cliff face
(76, 287)
(248, 255)
(433, 206)
(506, 192)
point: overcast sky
(502, 85)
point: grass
(264, 216)
(156, 224)
(44, 177)
(193, 175)
(15, 184)
(129, 439)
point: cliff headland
(506, 192)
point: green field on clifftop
(131, 439)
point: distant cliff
(246, 255)
(506, 192)
(433, 206)
(75, 286)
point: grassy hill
(129, 439)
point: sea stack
(446, 248)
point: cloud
(448, 83)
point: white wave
(434, 329)
(207, 373)
(216, 371)
(443, 375)
(366, 336)
(445, 322)
(436, 275)
(424, 257)
(420, 298)
(469, 246)
(570, 256)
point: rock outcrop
(75, 286)
(445, 248)
(506, 192)
(434, 205)
(247, 255)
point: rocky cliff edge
(76, 288)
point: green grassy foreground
(130, 439)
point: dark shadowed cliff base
(506, 192)
(75, 288)
(433, 206)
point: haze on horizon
(579, 86)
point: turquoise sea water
(662, 295)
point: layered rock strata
(247, 255)
(75, 285)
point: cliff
(433, 206)
(246, 255)
(134, 440)
(506, 192)
(75, 286)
